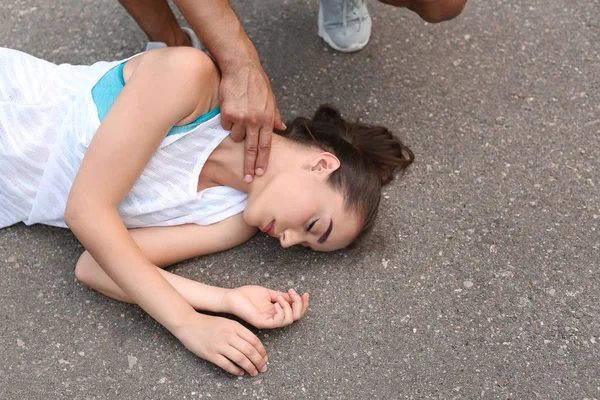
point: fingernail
(247, 178)
(254, 373)
(263, 368)
(266, 359)
(260, 171)
(293, 291)
(241, 373)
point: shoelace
(353, 4)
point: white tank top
(47, 120)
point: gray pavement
(481, 279)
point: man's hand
(249, 110)
(265, 308)
(248, 106)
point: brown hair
(369, 157)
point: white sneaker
(196, 43)
(155, 45)
(194, 40)
(345, 24)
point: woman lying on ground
(131, 156)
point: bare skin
(431, 10)
(125, 264)
(248, 105)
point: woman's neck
(225, 165)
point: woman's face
(297, 206)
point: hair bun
(376, 143)
(328, 114)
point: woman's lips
(269, 229)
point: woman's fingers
(279, 316)
(251, 353)
(275, 293)
(296, 304)
(305, 302)
(239, 358)
(224, 362)
(287, 311)
(254, 341)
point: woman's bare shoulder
(187, 64)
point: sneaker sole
(325, 36)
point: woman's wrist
(178, 325)
(222, 304)
(214, 300)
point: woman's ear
(324, 163)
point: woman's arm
(164, 246)
(165, 88)
(156, 97)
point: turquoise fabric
(108, 88)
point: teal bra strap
(188, 127)
(108, 88)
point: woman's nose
(289, 238)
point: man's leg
(431, 10)
(157, 20)
(346, 25)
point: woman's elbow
(73, 213)
(83, 269)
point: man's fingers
(238, 131)
(251, 148)
(277, 122)
(226, 123)
(264, 149)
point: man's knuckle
(231, 114)
(252, 150)
(264, 147)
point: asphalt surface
(481, 279)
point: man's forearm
(217, 26)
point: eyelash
(311, 225)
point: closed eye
(311, 225)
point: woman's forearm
(104, 235)
(200, 296)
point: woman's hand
(265, 308)
(225, 343)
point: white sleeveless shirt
(47, 120)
